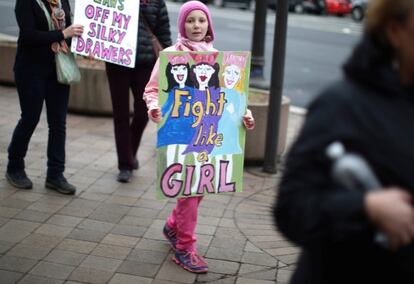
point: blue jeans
(33, 89)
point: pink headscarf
(184, 44)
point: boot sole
(16, 185)
(55, 188)
(188, 268)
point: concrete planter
(256, 138)
(91, 95)
(8, 48)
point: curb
(6, 37)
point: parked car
(297, 6)
(312, 6)
(294, 5)
(358, 9)
(336, 7)
(204, 1)
(244, 4)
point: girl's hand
(248, 120)
(155, 114)
(73, 30)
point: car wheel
(298, 8)
(357, 14)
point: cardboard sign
(200, 141)
(111, 28)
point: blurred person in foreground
(371, 111)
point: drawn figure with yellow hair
(232, 78)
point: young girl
(195, 34)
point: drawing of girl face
(231, 76)
(180, 73)
(203, 73)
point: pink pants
(183, 220)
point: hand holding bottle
(392, 212)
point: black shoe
(19, 179)
(61, 185)
(124, 176)
(135, 164)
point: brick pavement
(111, 232)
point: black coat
(35, 39)
(373, 115)
(155, 12)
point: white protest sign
(111, 28)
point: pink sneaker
(190, 261)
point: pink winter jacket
(182, 44)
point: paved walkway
(111, 232)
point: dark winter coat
(35, 39)
(372, 114)
(155, 12)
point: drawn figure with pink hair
(207, 102)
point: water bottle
(353, 172)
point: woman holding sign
(36, 81)
(153, 19)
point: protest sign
(200, 140)
(111, 28)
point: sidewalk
(111, 232)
